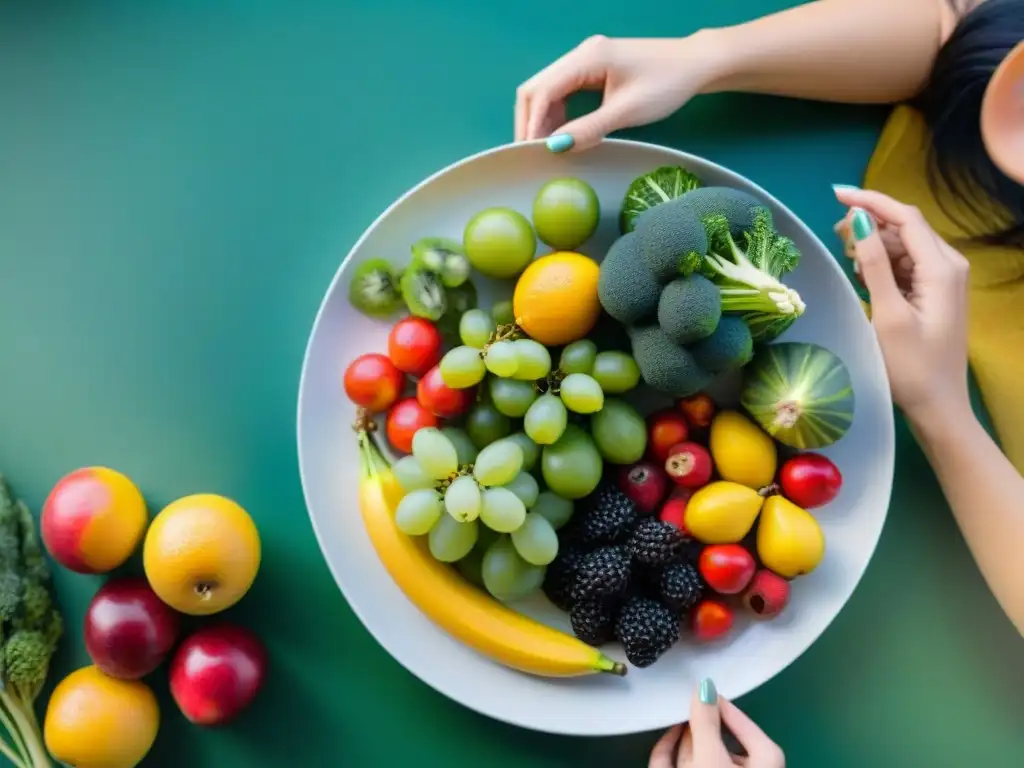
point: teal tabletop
(179, 183)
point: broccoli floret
(739, 208)
(664, 366)
(671, 235)
(626, 288)
(651, 190)
(748, 280)
(26, 663)
(689, 309)
(729, 347)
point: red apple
(767, 594)
(727, 568)
(689, 465)
(645, 484)
(810, 480)
(217, 672)
(665, 429)
(128, 629)
(710, 620)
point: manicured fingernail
(708, 693)
(844, 187)
(560, 142)
(862, 225)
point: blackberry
(593, 621)
(655, 543)
(603, 573)
(646, 629)
(680, 586)
(559, 578)
(607, 519)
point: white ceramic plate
(645, 699)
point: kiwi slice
(374, 289)
(442, 256)
(424, 293)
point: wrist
(716, 52)
(937, 420)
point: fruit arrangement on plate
(534, 450)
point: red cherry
(373, 382)
(727, 568)
(414, 345)
(699, 410)
(810, 480)
(440, 399)
(710, 620)
(405, 418)
(665, 429)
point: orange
(201, 554)
(95, 721)
(555, 299)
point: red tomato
(810, 480)
(665, 429)
(711, 620)
(405, 418)
(373, 382)
(414, 345)
(440, 399)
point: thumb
(588, 130)
(873, 262)
(706, 724)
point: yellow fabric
(996, 323)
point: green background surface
(179, 182)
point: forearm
(852, 51)
(986, 494)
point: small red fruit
(698, 409)
(689, 465)
(673, 511)
(810, 480)
(440, 399)
(405, 418)
(373, 382)
(645, 484)
(767, 594)
(727, 568)
(414, 345)
(711, 619)
(665, 429)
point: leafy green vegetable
(749, 279)
(659, 186)
(30, 628)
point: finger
(582, 68)
(521, 112)
(706, 724)
(685, 756)
(746, 731)
(587, 131)
(664, 752)
(875, 266)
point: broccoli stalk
(30, 628)
(749, 280)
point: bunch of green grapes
(484, 349)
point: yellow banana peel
(455, 605)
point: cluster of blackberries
(623, 576)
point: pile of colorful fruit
(200, 556)
(525, 464)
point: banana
(462, 610)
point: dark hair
(979, 197)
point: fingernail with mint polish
(560, 142)
(708, 693)
(844, 187)
(862, 224)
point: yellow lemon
(95, 721)
(201, 554)
(555, 300)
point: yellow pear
(743, 453)
(722, 512)
(789, 540)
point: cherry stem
(364, 421)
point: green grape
(475, 328)
(471, 566)
(418, 511)
(578, 357)
(484, 425)
(615, 372)
(534, 360)
(554, 509)
(581, 393)
(619, 432)
(572, 467)
(462, 368)
(464, 447)
(410, 474)
(511, 397)
(462, 499)
(455, 271)
(502, 312)
(506, 575)
(485, 536)
(545, 421)
(536, 541)
(501, 359)
(434, 453)
(524, 485)
(531, 451)
(501, 510)
(498, 463)
(449, 540)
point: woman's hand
(918, 287)
(698, 744)
(643, 80)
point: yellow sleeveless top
(996, 319)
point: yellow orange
(95, 721)
(555, 300)
(93, 520)
(201, 554)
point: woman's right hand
(642, 79)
